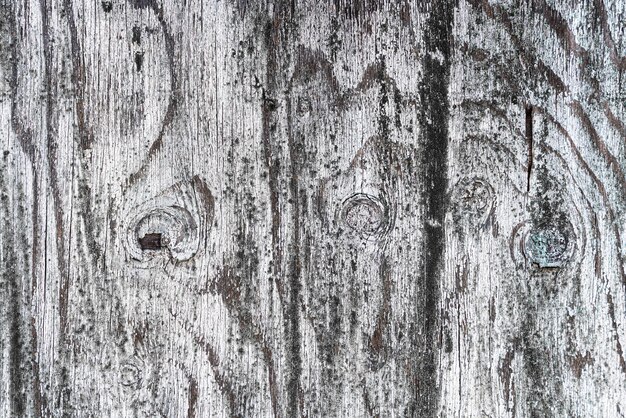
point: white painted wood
(375, 208)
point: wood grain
(348, 208)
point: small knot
(547, 246)
(473, 198)
(172, 225)
(170, 228)
(366, 215)
(130, 375)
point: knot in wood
(172, 225)
(474, 197)
(365, 214)
(130, 375)
(169, 230)
(547, 246)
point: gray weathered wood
(348, 208)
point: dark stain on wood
(383, 117)
(295, 266)
(78, 77)
(602, 16)
(143, 4)
(358, 10)
(228, 286)
(379, 343)
(461, 275)
(561, 29)
(138, 61)
(136, 37)
(107, 6)
(10, 292)
(434, 123)
(279, 27)
(578, 362)
(206, 203)
(616, 334)
(193, 398)
(17, 383)
(271, 162)
(505, 371)
(311, 63)
(492, 309)
(138, 336)
(538, 366)
(8, 24)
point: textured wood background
(312, 209)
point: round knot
(169, 230)
(365, 214)
(547, 246)
(473, 198)
(130, 375)
(171, 225)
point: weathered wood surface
(348, 208)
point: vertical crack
(529, 140)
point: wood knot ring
(547, 246)
(366, 215)
(130, 375)
(171, 226)
(168, 229)
(473, 198)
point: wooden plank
(368, 153)
(535, 276)
(310, 208)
